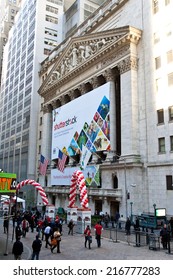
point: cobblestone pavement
(72, 248)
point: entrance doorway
(98, 206)
(114, 207)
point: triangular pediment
(79, 51)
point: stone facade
(114, 49)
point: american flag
(43, 165)
(61, 161)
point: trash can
(154, 242)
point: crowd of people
(50, 231)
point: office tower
(37, 27)
(37, 30)
(8, 11)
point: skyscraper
(36, 31)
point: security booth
(153, 220)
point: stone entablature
(96, 52)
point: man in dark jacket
(17, 249)
(36, 246)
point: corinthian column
(110, 77)
(46, 133)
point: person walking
(127, 228)
(36, 247)
(18, 232)
(6, 222)
(25, 227)
(47, 233)
(71, 226)
(98, 231)
(17, 249)
(88, 237)
(56, 239)
(165, 235)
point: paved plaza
(72, 248)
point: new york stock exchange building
(94, 91)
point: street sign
(7, 183)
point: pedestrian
(106, 219)
(47, 233)
(88, 237)
(6, 222)
(71, 226)
(165, 235)
(171, 226)
(98, 231)
(25, 227)
(17, 249)
(36, 247)
(117, 217)
(18, 231)
(136, 225)
(55, 242)
(127, 228)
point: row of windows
(156, 5)
(51, 32)
(160, 115)
(161, 144)
(169, 82)
(168, 33)
(169, 57)
(58, 2)
(51, 19)
(51, 9)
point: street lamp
(131, 204)
(154, 205)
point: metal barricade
(154, 241)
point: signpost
(7, 187)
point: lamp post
(131, 205)
(154, 205)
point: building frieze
(84, 52)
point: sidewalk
(72, 248)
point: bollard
(138, 239)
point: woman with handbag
(55, 242)
(88, 237)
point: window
(46, 51)
(156, 38)
(51, 9)
(51, 19)
(161, 145)
(40, 135)
(170, 109)
(160, 116)
(168, 30)
(169, 55)
(171, 143)
(170, 79)
(158, 62)
(41, 120)
(167, 2)
(169, 182)
(155, 6)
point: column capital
(127, 64)
(94, 82)
(82, 89)
(54, 104)
(47, 108)
(109, 75)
